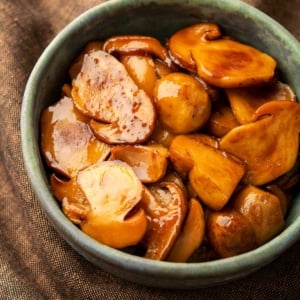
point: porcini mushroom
(182, 102)
(191, 234)
(234, 64)
(269, 145)
(112, 217)
(149, 162)
(67, 143)
(245, 101)
(137, 45)
(214, 182)
(120, 111)
(165, 207)
(262, 209)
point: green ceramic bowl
(159, 19)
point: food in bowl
(177, 150)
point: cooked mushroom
(214, 182)
(142, 70)
(230, 233)
(165, 207)
(182, 43)
(113, 219)
(191, 234)
(269, 145)
(262, 209)
(245, 101)
(137, 45)
(149, 162)
(234, 64)
(104, 91)
(67, 143)
(182, 102)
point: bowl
(159, 19)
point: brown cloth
(35, 262)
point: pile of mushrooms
(183, 151)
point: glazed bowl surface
(159, 19)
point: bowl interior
(159, 19)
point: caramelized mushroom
(182, 102)
(245, 101)
(182, 43)
(165, 207)
(67, 143)
(230, 233)
(105, 211)
(113, 218)
(149, 162)
(104, 91)
(262, 209)
(233, 65)
(142, 70)
(137, 45)
(214, 182)
(191, 234)
(269, 145)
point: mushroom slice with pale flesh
(214, 182)
(67, 143)
(245, 101)
(268, 145)
(112, 217)
(191, 234)
(220, 61)
(149, 162)
(120, 111)
(165, 206)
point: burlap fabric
(35, 262)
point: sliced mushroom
(165, 207)
(245, 101)
(149, 162)
(182, 43)
(182, 102)
(104, 91)
(269, 145)
(67, 143)
(137, 45)
(104, 210)
(230, 233)
(262, 209)
(191, 234)
(214, 182)
(234, 64)
(142, 70)
(113, 219)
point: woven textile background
(35, 262)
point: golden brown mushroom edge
(185, 151)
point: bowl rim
(74, 236)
